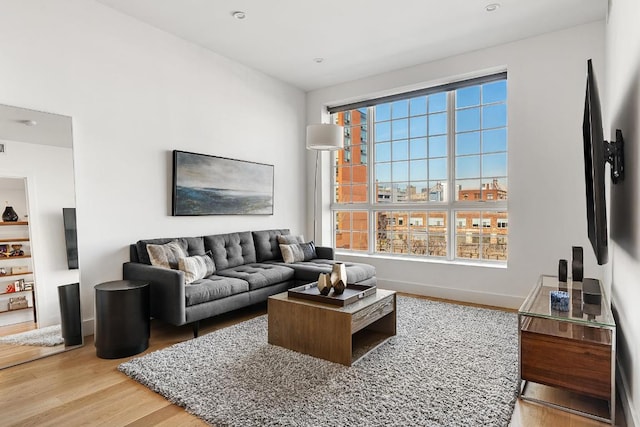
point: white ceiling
(45, 128)
(356, 38)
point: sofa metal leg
(196, 328)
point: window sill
(457, 262)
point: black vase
(9, 215)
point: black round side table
(122, 318)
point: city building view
(411, 212)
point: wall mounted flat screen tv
(597, 152)
(70, 237)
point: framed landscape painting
(210, 185)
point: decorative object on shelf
(9, 215)
(16, 250)
(562, 270)
(324, 283)
(20, 269)
(10, 288)
(3, 271)
(19, 285)
(3, 250)
(339, 287)
(576, 264)
(338, 272)
(559, 300)
(338, 278)
(17, 303)
(28, 286)
(211, 185)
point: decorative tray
(351, 294)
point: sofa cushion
(196, 267)
(213, 288)
(298, 252)
(193, 245)
(266, 244)
(167, 255)
(259, 275)
(308, 271)
(231, 250)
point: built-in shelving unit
(17, 233)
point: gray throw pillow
(166, 255)
(289, 239)
(298, 252)
(196, 267)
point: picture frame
(212, 185)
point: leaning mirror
(39, 302)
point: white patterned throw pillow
(196, 267)
(166, 255)
(298, 252)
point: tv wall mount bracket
(614, 155)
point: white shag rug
(48, 336)
(448, 365)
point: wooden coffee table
(338, 334)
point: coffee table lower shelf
(338, 334)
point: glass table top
(538, 304)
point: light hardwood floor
(13, 354)
(77, 388)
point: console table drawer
(370, 314)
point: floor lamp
(322, 137)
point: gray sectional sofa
(248, 269)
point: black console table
(122, 318)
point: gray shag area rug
(49, 336)
(449, 365)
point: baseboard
(630, 415)
(463, 295)
(87, 327)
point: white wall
(49, 177)
(135, 94)
(623, 112)
(546, 83)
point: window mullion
(451, 197)
(373, 197)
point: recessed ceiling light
(238, 14)
(318, 60)
(28, 122)
(492, 7)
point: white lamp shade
(325, 137)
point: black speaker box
(562, 270)
(577, 272)
(70, 316)
(591, 291)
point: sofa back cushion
(194, 245)
(230, 250)
(267, 245)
